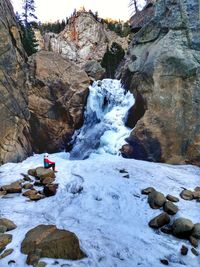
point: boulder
(33, 257)
(32, 172)
(10, 225)
(2, 193)
(196, 194)
(193, 241)
(30, 193)
(184, 250)
(196, 231)
(170, 208)
(197, 189)
(195, 252)
(147, 190)
(58, 91)
(53, 243)
(156, 200)
(172, 198)
(94, 70)
(162, 67)
(187, 194)
(160, 220)
(28, 186)
(182, 227)
(36, 197)
(43, 173)
(47, 180)
(6, 253)
(12, 188)
(50, 190)
(5, 239)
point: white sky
(52, 10)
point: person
(48, 163)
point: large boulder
(160, 220)
(14, 113)
(15, 187)
(94, 70)
(58, 91)
(5, 239)
(162, 71)
(156, 200)
(52, 243)
(10, 225)
(182, 227)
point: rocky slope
(14, 113)
(84, 38)
(162, 70)
(57, 95)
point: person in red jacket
(49, 164)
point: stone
(47, 180)
(5, 239)
(28, 186)
(10, 225)
(170, 208)
(167, 229)
(36, 197)
(160, 220)
(3, 229)
(197, 189)
(32, 172)
(30, 193)
(41, 264)
(14, 114)
(162, 66)
(33, 257)
(12, 188)
(196, 194)
(94, 70)
(184, 250)
(26, 177)
(164, 262)
(6, 253)
(172, 198)
(43, 173)
(156, 200)
(193, 241)
(53, 243)
(56, 99)
(37, 183)
(50, 190)
(196, 231)
(182, 227)
(195, 252)
(147, 190)
(187, 194)
(2, 193)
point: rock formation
(84, 38)
(14, 113)
(57, 95)
(162, 69)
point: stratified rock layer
(162, 70)
(57, 96)
(14, 113)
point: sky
(52, 10)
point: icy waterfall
(104, 127)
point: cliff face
(162, 70)
(14, 113)
(84, 38)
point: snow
(110, 216)
(103, 130)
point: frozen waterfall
(103, 130)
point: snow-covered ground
(110, 216)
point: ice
(103, 130)
(106, 211)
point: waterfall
(104, 127)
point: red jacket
(47, 162)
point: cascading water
(103, 130)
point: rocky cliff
(14, 113)
(84, 38)
(58, 90)
(162, 70)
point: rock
(53, 243)
(167, 229)
(28, 186)
(126, 176)
(123, 171)
(193, 241)
(56, 99)
(170, 208)
(156, 200)
(147, 190)
(43, 173)
(8, 224)
(32, 172)
(160, 220)
(162, 66)
(47, 180)
(30, 193)
(184, 250)
(94, 70)
(197, 189)
(12, 188)
(172, 198)
(14, 114)
(3, 229)
(196, 194)
(182, 227)
(36, 197)
(164, 262)
(6, 253)
(37, 183)
(194, 251)
(5, 239)
(2, 193)
(187, 195)
(33, 257)
(41, 264)
(26, 177)
(196, 231)
(50, 190)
